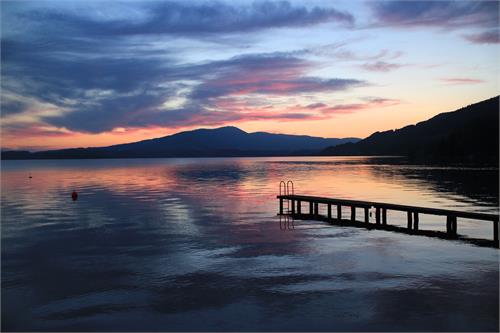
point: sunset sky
(89, 73)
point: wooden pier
(294, 208)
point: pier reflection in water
(195, 244)
(294, 202)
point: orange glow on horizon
(337, 123)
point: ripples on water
(194, 244)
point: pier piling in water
(409, 220)
(412, 212)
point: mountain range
(470, 134)
(219, 142)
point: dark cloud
(106, 92)
(112, 112)
(46, 76)
(219, 79)
(100, 76)
(449, 15)
(381, 66)
(192, 19)
(316, 105)
(12, 106)
(445, 14)
(487, 37)
(268, 74)
(223, 87)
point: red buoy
(74, 195)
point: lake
(195, 245)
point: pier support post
(293, 206)
(495, 233)
(329, 211)
(377, 215)
(384, 216)
(299, 207)
(353, 213)
(339, 212)
(367, 216)
(409, 220)
(454, 225)
(316, 209)
(415, 221)
(281, 206)
(311, 210)
(451, 225)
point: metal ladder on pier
(286, 219)
(287, 189)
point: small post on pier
(377, 215)
(316, 209)
(415, 221)
(299, 207)
(281, 206)
(293, 206)
(329, 211)
(339, 212)
(384, 216)
(311, 212)
(409, 219)
(367, 217)
(353, 213)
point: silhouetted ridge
(223, 141)
(470, 134)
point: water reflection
(195, 244)
(286, 222)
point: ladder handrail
(284, 188)
(288, 189)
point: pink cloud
(369, 104)
(232, 110)
(35, 131)
(273, 76)
(461, 80)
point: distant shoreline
(395, 159)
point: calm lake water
(195, 245)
